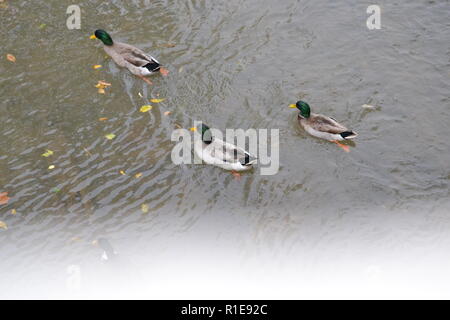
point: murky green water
(234, 64)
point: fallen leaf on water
(97, 66)
(157, 100)
(10, 57)
(4, 198)
(102, 84)
(47, 153)
(51, 167)
(42, 26)
(13, 212)
(140, 95)
(3, 225)
(368, 106)
(122, 172)
(164, 71)
(101, 91)
(167, 113)
(75, 239)
(92, 37)
(144, 208)
(180, 70)
(138, 175)
(102, 119)
(110, 136)
(145, 108)
(56, 190)
(167, 45)
(178, 126)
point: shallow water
(233, 64)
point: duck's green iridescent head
(304, 108)
(104, 37)
(206, 133)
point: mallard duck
(137, 61)
(321, 126)
(220, 153)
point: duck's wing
(230, 153)
(134, 55)
(323, 123)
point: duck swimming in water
(127, 56)
(220, 153)
(321, 126)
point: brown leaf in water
(10, 57)
(102, 119)
(3, 225)
(4, 198)
(167, 113)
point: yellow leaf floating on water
(122, 172)
(101, 91)
(10, 57)
(146, 108)
(97, 66)
(144, 208)
(47, 153)
(51, 167)
(3, 225)
(101, 85)
(157, 100)
(138, 175)
(110, 136)
(13, 212)
(167, 113)
(102, 119)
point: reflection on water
(235, 64)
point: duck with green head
(220, 153)
(137, 61)
(321, 126)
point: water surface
(233, 64)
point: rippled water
(233, 64)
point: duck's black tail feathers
(248, 160)
(153, 66)
(348, 134)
